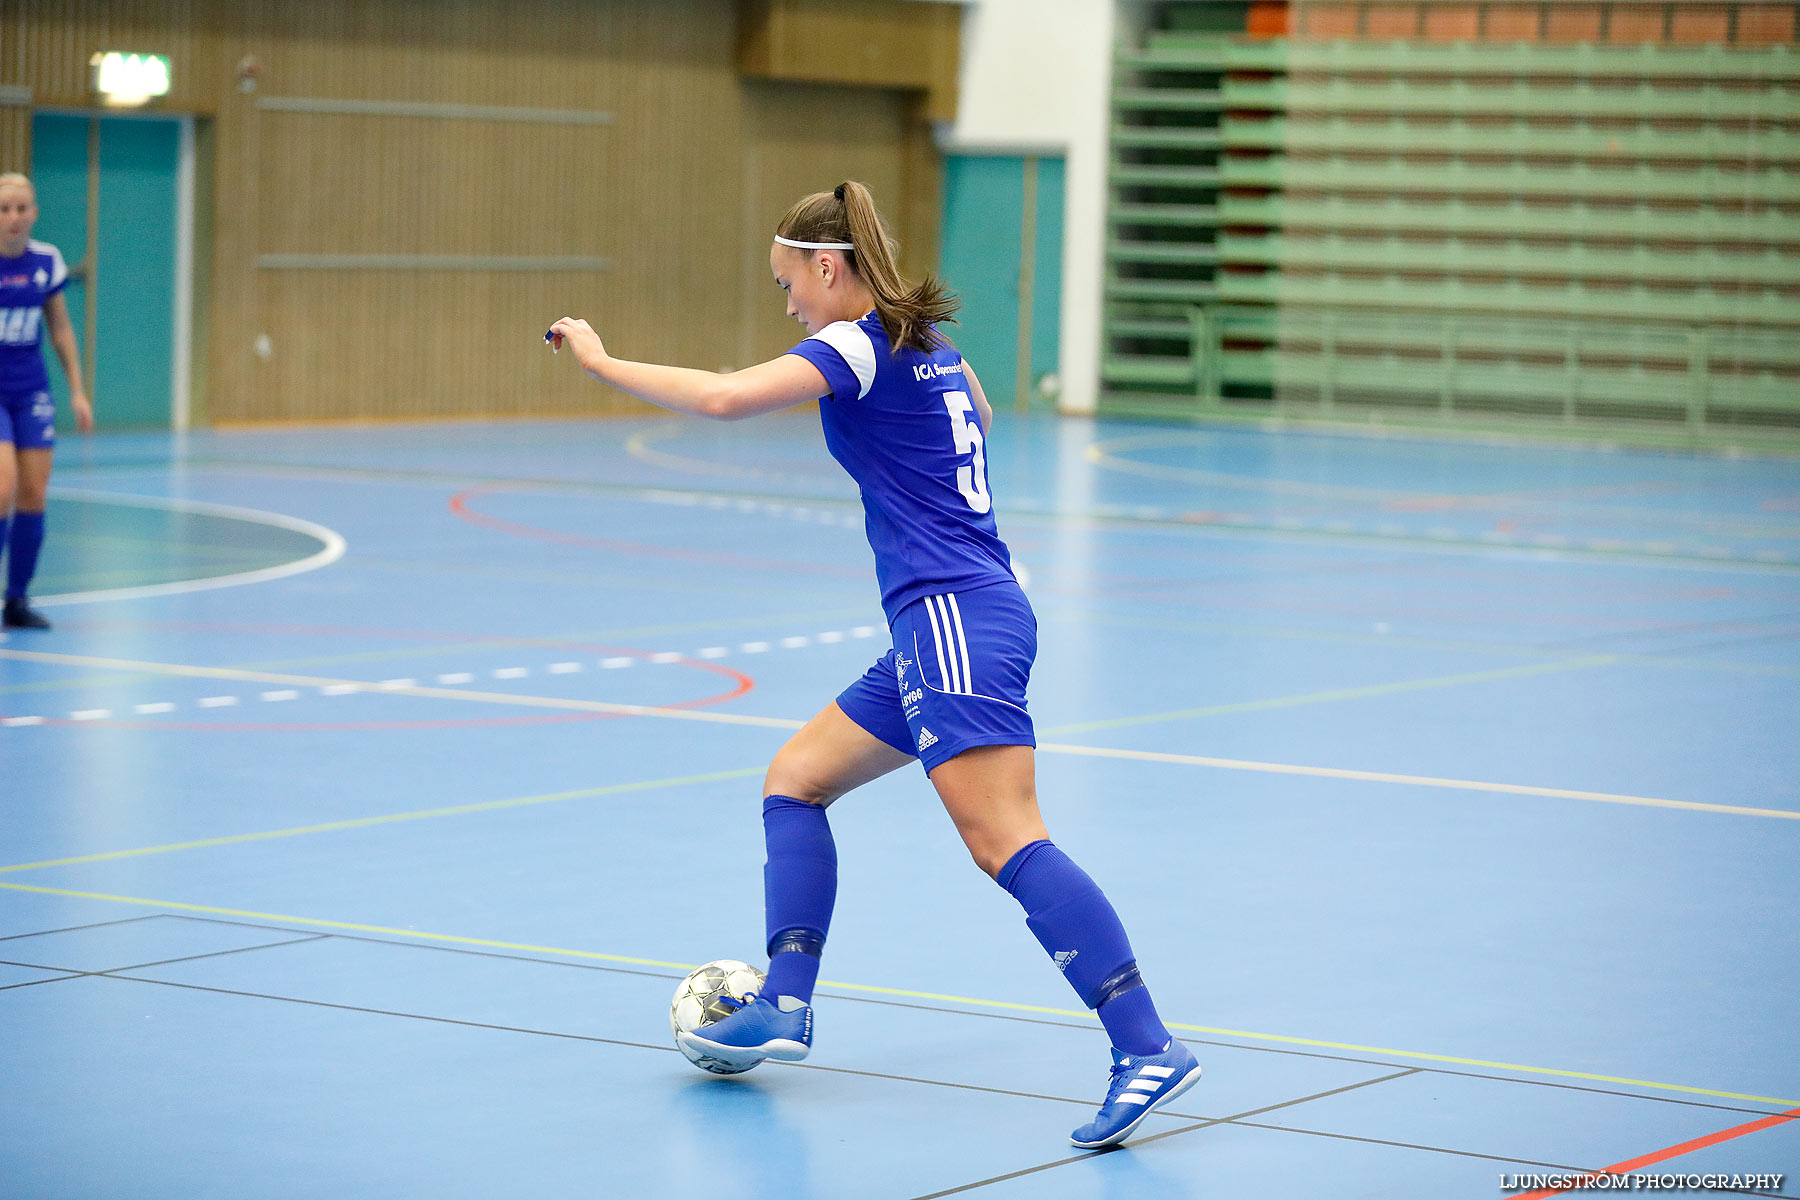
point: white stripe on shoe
(1132, 1098)
(1159, 1072)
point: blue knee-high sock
(22, 552)
(799, 891)
(1076, 924)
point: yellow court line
(1467, 785)
(1003, 1005)
(436, 693)
(421, 814)
(1357, 693)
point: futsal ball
(701, 999)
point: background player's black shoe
(20, 615)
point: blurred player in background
(906, 417)
(32, 276)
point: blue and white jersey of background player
(905, 427)
(25, 283)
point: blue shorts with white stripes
(955, 678)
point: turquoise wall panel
(134, 322)
(983, 199)
(59, 176)
(1046, 293)
(984, 213)
(135, 348)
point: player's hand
(84, 411)
(581, 338)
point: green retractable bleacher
(1577, 235)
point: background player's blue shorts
(955, 678)
(28, 419)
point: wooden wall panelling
(48, 43)
(919, 207)
(800, 139)
(650, 192)
(15, 138)
(878, 43)
(660, 192)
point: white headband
(814, 245)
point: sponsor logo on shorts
(927, 739)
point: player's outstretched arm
(766, 387)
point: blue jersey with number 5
(904, 425)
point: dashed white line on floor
(661, 657)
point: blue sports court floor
(377, 784)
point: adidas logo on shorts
(927, 739)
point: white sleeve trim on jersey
(852, 341)
(59, 271)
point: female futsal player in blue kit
(906, 417)
(32, 276)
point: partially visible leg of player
(831, 755)
(990, 793)
(9, 476)
(26, 537)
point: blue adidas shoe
(780, 1029)
(1139, 1083)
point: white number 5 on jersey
(971, 480)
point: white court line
(341, 687)
(332, 548)
(1469, 785)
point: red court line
(459, 504)
(1656, 1156)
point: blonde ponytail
(909, 313)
